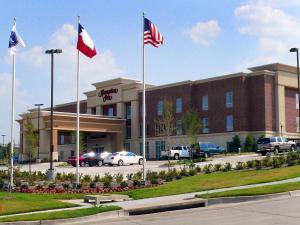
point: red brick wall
(290, 110)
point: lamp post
(297, 53)
(39, 110)
(3, 136)
(50, 172)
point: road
(270, 212)
(150, 165)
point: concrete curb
(78, 220)
(227, 200)
(191, 203)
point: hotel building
(263, 101)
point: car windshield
(115, 153)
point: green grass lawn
(215, 181)
(11, 203)
(60, 214)
(270, 189)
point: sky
(202, 38)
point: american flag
(151, 34)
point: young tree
(236, 142)
(166, 124)
(191, 125)
(30, 140)
(250, 143)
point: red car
(83, 159)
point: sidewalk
(159, 201)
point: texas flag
(85, 43)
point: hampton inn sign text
(106, 95)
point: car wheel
(82, 164)
(141, 161)
(293, 148)
(120, 163)
(263, 153)
(176, 156)
(100, 163)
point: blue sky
(202, 39)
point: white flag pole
(78, 112)
(12, 127)
(144, 106)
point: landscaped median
(66, 214)
(264, 190)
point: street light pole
(39, 110)
(50, 172)
(297, 53)
(3, 136)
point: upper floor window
(229, 123)
(110, 111)
(128, 111)
(229, 99)
(178, 127)
(160, 108)
(297, 101)
(205, 128)
(178, 105)
(205, 102)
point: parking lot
(150, 165)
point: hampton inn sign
(106, 94)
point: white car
(123, 158)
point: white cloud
(204, 32)
(101, 67)
(273, 28)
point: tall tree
(165, 125)
(191, 125)
(31, 140)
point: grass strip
(11, 203)
(215, 181)
(264, 190)
(66, 214)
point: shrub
(136, 183)
(129, 176)
(184, 172)
(137, 176)
(250, 164)
(86, 179)
(108, 178)
(97, 178)
(250, 143)
(51, 185)
(258, 164)
(1, 183)
(198, 169)
(218, 167)
(162, 174)
(92, 185)
(192, 165)
(267, 162)
(275, 162)
(240, 166)
(227, 167)
(208, 168)
(192, 172)
(71, 177)
(169, 178)
(123, 184)
(292, 158)
(107, 184)
(119, 177)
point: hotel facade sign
(107, 94)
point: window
(205, 102)
(146, 149)
(229, 123)
(205, 128)
(130, 154)
(159, 129)
(110, 111)
(160, 108)
(127, 146)
(178, 127)
(229, 99)
(93, 111)
(128, 131)
(141, 130)
(297, 124)
(297, 101)
(178, 105)
(61, 139)
(128, 111)
(279, 139)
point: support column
(118, 141)
(280, 107)
(55, 144)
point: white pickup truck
(176, 152)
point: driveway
(150, 165)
